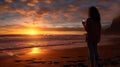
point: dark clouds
(54, 13)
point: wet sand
(73, 57)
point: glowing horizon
(31, 32)
(32, 29)
(39, 32)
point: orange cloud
(31, 24)
(27, 13)
(35, 1)
(32, 3)
(23, 0)
(73, 8)
(14, 29)
(48, 1)
(9, 1)
(21, 11)
(68, 15)
(3, 8)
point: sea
(13, 42)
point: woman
(93, 29)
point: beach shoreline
(109, 56)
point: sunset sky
(21, 15)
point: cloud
(4, 8)
(9, 1)
(12, 29)
(74, 8)
(28, 13)
(48, 1)
(24, 12)
(32, 3)
(109, 11)
(13, 26)
(43, 10)
(23, 0)
(55, 12)
(68, 15)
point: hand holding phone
(83, 22)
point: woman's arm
(84, 24)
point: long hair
(94, 13)
(94, 28)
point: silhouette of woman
(93, 29)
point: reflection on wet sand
(35, 50)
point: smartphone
(83, 20)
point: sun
(29, 31)
(32, 32)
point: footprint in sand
(18, 61)
(75, 61)
(65, 57)
(38, 61)
(75, 65)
